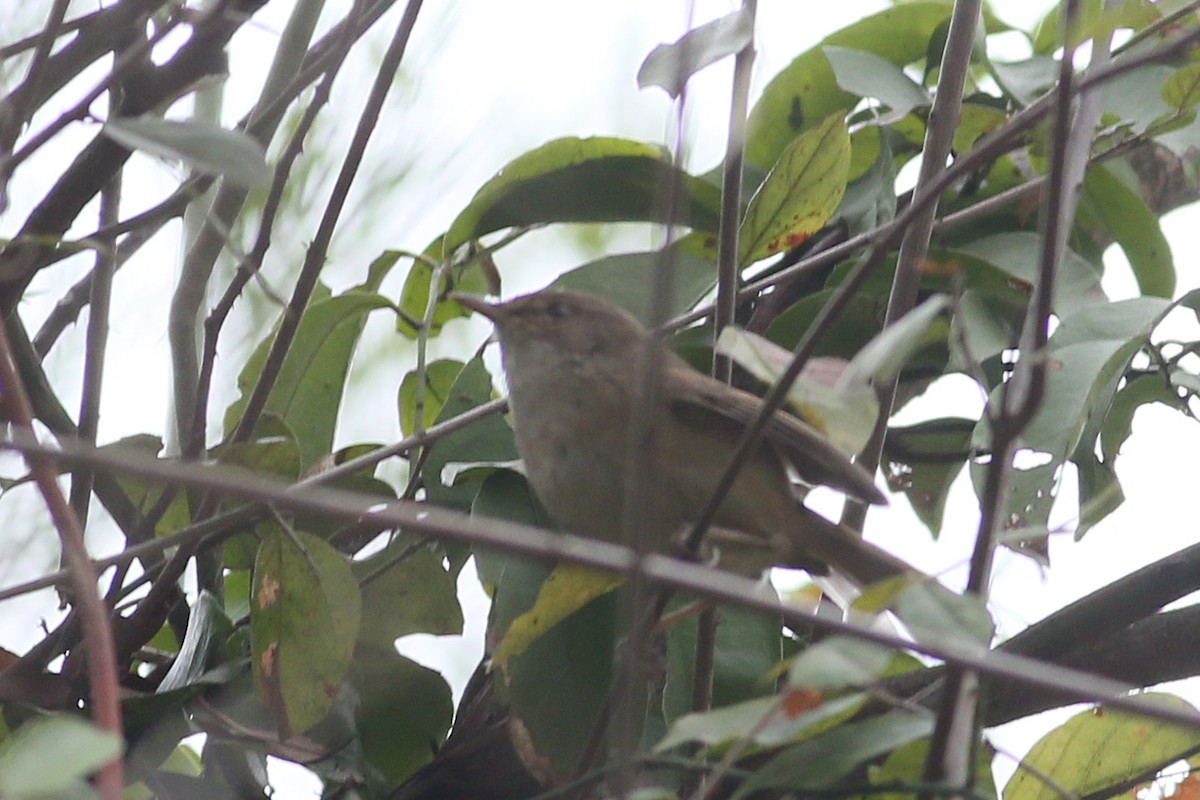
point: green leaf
(671, 65)
(922, 460)
(50, 756)
(469, 276)
(505, 494)
(628, 280)
(1182, 89)
(601, 179)
(1098, 749)
(404, 713)
(1100, 492)
(405, 589)
(438, 377)
(870, 198)
(208, 628)
(868, 75)
(838, 662)
(861, 320)
(1118, 423)
(1095, 20)
(823, 760)
(145, 494)
(565, 590)
(1026, 80)
(272, 451)
(806, 91)
(800, 193)
(747, 651)
(1016, 255)
(558, 686)
(1090, 352)
(1125, 215)
(304, 619)
(203, 146)
(974, 122)
(489, 439)
(1088, 356)
(308, 391)
(905, 767)
(734, 723)
(1136, 97)
(933, 613)
(881, 359)
(983, 327)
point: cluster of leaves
(288, 648)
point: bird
(571, 364)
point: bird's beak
(476, 303)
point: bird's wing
(816, 460)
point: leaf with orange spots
(798, 701)
(1188, 788)
(800, 194)
(304, 618)
(765, 721)
(1093, 751)
(941, 267)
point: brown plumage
(572, 367)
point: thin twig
(680, 575)
(97, 630)
(631, 674)
(315, 258)
(881, 242)
(728, 279)
(211, 236)
(193, 442)
(200, 55)
(731, 196)
(200, 531)
(951, 749)
(96, 347)
(987, 149)
(34, 39)
(939, 137)
(129, 59)
(23, 100)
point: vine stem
(97, 628)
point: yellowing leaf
(800, 193)
(565, 591)
(1097, 749)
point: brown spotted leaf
(304, 617)
(800, 194)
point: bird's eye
(558, 310)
